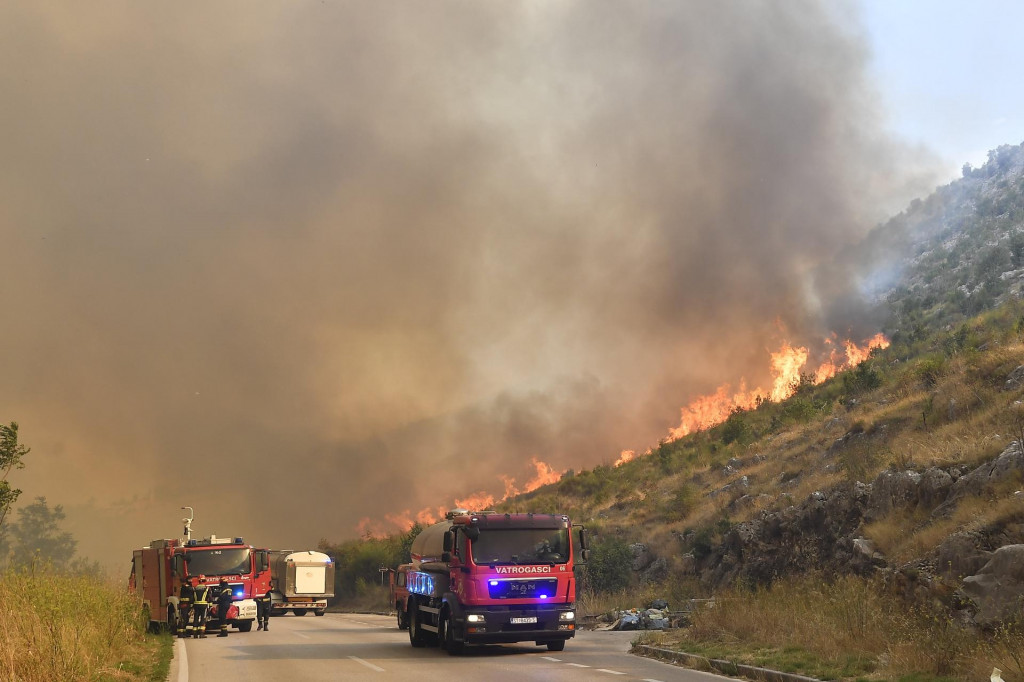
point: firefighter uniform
(263, 603)
(200, 603)
(185, 609)
(224, 599)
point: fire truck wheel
(446, 635)
(319, 612)
(300, 612)
(417, 637)
(403, 617)
(556, 645)
(244, 626)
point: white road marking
(647, 679)
(299, 634)
(369, 665)
(182, 655)
(610, 672)
(548, 658)
(578, 665)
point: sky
(946, 71)
(315, 267)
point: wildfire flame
(403, 521)
(625, 456)
(787, 365)
(368, 528)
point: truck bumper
(515, 625)
(246, 609)
(291, 605)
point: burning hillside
(788, 368)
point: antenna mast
(188, 524)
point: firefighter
(224, 599)
(200, 604)
(185, 608)
(263, 603)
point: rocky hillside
(907, 468)
(960, 251)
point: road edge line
(179, 662)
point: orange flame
(477, 502)
(625, 456)
(709, 410)
(427, 517)
(786, 366)
(543, 475)
(403, 519)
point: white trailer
(302, 581)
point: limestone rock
(998, 588)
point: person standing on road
(200, 603)
(185, 608)
(263, 603)
(224, 599)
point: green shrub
(737, 430)
(610, 565)
(930, 369)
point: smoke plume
(295, 264)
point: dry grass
(904, 535)
(594, 604)
(847, 628)
(67, 627)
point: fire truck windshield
(521, 546)
(216, 561)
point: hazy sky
(299, 263)
(947, 71)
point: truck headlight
(567, 615)
(475, 618)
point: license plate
(523, 619)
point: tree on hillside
(11, 454)
(405, 547)
(37, 536)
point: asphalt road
(367, 647)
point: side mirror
(472, 532)
(585, 555)
(264, 560)
(583, 538)
(449, 541)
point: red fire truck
(483, 577)
(161, 568)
